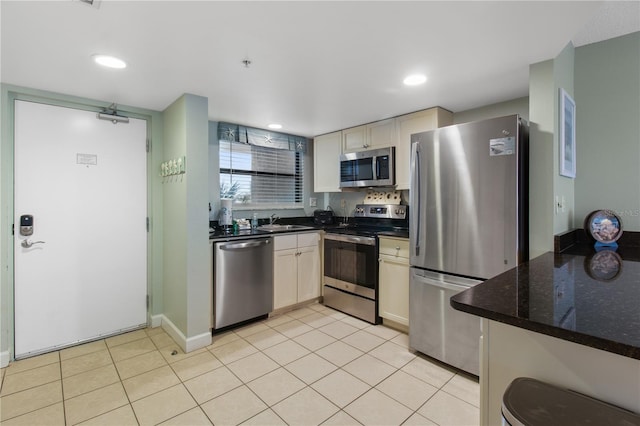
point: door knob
(28, 243)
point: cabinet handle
(398, 248)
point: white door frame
(9, 95)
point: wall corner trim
(4, 359)
(186, 344)
(156, 321)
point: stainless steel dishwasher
(243, 281)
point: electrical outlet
(563, 203)
(313, 202)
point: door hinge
(13, 229)
(147, 301)
(148, 224)
(148, 145)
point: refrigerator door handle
(415, 172)
(440, 284)
(452, 282)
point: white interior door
(84, 182)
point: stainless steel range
(351, 259)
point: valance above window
(259, 137)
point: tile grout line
(37, 386)
(258, 350)
(307, 385)
(120, 381)
(340, 368)
(64, 406)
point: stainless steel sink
(278, 228)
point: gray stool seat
(529, 402)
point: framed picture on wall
(567, 135)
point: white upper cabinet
(354, 139)
(394, 132)
(370, 136)
(409, 124)
(326, 162)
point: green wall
(545, 80)
(187, 288)
(563, 187)
(604, 80)
(607, 87)
(516, 106)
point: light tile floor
(310, 366)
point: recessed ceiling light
(415, 79)
(275, 126)
(109, 61)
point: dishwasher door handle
(245, 244)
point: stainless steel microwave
(368, 168)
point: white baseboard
(186, 344)
(4, 359)
(200, 341)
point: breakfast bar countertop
(580, 295)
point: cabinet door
(393, 303)
(409, 124)
(308, 273)
(326, 162)
(285, 276)
(381, 134)
(354, 139)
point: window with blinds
(257, 176)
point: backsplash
(351, 199)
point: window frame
(298, 179)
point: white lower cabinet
(393, 275)
(296, 269)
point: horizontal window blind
(258, 176)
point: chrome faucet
(273, 218)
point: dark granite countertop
(580, 295)
(220, 235)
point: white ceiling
(316, 66)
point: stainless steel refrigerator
(469, 223)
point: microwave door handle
(374, 167)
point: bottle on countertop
(254, 221)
